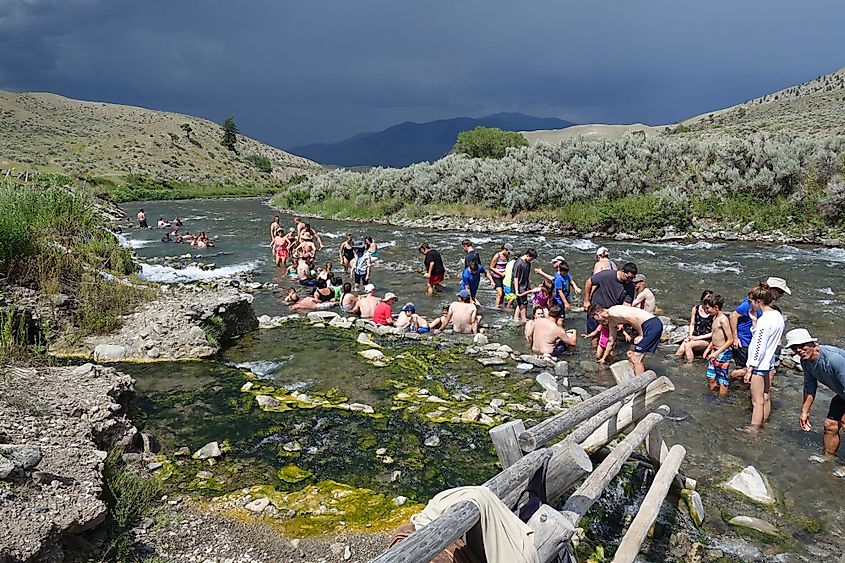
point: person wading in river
(275, 226)
(346, 253)
(497, 270)
(824, 364)
(762, 352)
(608, 288)
(649, 330)
(434, 270)
(142, 220)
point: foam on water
(698, 245)
(825, 290)
(263, 368)
(717, 267)
(582, 244)
(166, 274)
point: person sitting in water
(348, 299)
(303, 270)
(440, 322)
(645, 297)
(382, 314)
(648, 327)
(291, 297)
(323, 293)
(366, 305)
(463, 314)
(699, 330)
(372, 248)
(185, 238)
(546, 337)
(166, 238)
(416, 323)
(177, 222)
(162, 223)
(336, 285)
(325, 272)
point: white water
(166, 274)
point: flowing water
(189, 404)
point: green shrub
(262, 163)
(487, 142)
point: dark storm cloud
(297, 72)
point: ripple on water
(264, 368)
(716, 267)
(166, 274)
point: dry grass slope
(51, 133)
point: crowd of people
(173, 235)
(741, 346)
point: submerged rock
(493, 361)
(536, 361)
(755, 524)
(210, 450)
(752, 484)
(432, 441)
(371, 354)
(562, 368)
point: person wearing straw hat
(825, 364)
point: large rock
(547, 381)
(562, 368)
(755, 524)
(752, 484)
(109, 352)
(371, 354)
(210, 450)
(537, 361)
(23, 456)
(322, 316)
(364, 338)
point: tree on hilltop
(186, 127)
(487, 142)
(230, 134)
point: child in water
(291, 297)
(603, 332)
(719, 353)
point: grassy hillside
(812, 109)
(51, 133)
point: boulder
(562, 368)
(109, 352)
(580, 392)
(21, 455)
(6, 467)
(371, 354)
(153, 353)
(210, 450)
(505, 349)
(480, 339)
(547, 381)
(471, 414)
(536, 361)
(755, 524)
(267, 401)
(752, 484)
(341, 322)
(552, 396)
(694, 506)
(202, 352)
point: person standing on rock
(825, 364)
(522, 284)
(497, 271)
(434, 270)
(142, 220)
(608, 288)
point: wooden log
(550, 527)
(428, 541)
(656, 448)
(632, 410)
(568, 464)
(505, 440)
(591, 489)
(622, 371)
(629, 548)
(549, 429)
(561, 476)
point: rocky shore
(700, 230)
(55, 427)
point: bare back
(624, 314)
(463, 316)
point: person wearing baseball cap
(603, 261)
(645, 297)
(825, 364)
(463, 314)
(415, 323)
(383, 315)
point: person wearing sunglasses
(825, 364)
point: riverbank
(736, 221)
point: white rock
(494, 361)
(524, 367)
(258, 505)
(267, 401)
(499, 373)
(322, 316)
(754, 524)
(536, 361)
(210, 450)
(347, 553)
(497, 403)
(432, 441)
(6, 467)
(381, 451)
(360, 407)
(400, 500)
(294, 446)
(480, 339)
(109, 352)
(562, 368)
(294, 543)
(435, 399)
(371, 354)
(471, 414)
(581, 392)
(547, 381)
(246, 386)
(551, 396)
(753, 484)
(505, 348)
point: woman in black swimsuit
(323, 293)
(347, 254)
(698, 332)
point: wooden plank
(632, 410)
(656, 448)
(622, 371)
(591, 489)
(506, 441)
(550, 529)
(629, 548)
(554, 426)
(568, 464)
(424, 544)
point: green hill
(49, 133)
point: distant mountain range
(410, 142)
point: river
(677, 272)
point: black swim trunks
(652, 331)
(741, 356)
(560, 348)
(591, 324)
(837, 409)
(522, 301)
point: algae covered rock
(371, 354)
(293, 474)
(756, 524)
(752, 484)
(210, 450)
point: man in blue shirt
(472, 277)
(824, 364)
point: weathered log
(505, 439)
(591, 489)
(554, 426)
(632, 410)
(656, 448)
(561, 475)
(622, 371)
(550, 529)
(428, 541)
(567, 465)
(629, 548)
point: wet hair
(554, 311)
(336, 281)
(563, 267)
(466, 242)
(445, 309)
(761, 293)
(307, 225)
(424, 246)
(473, 265)
(347, 287)
(630, 268)
(368, 240)
(321, 284)
(595, 308)
(530, 252)
(714, 300)
(704, 295)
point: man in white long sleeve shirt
(824, 364)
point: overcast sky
(322, 70)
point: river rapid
(209, 406)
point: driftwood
(649, 509)
(541, 433)
(505, 438)
(550, 529)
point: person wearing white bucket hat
(825, 364)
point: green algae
(293, 474)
